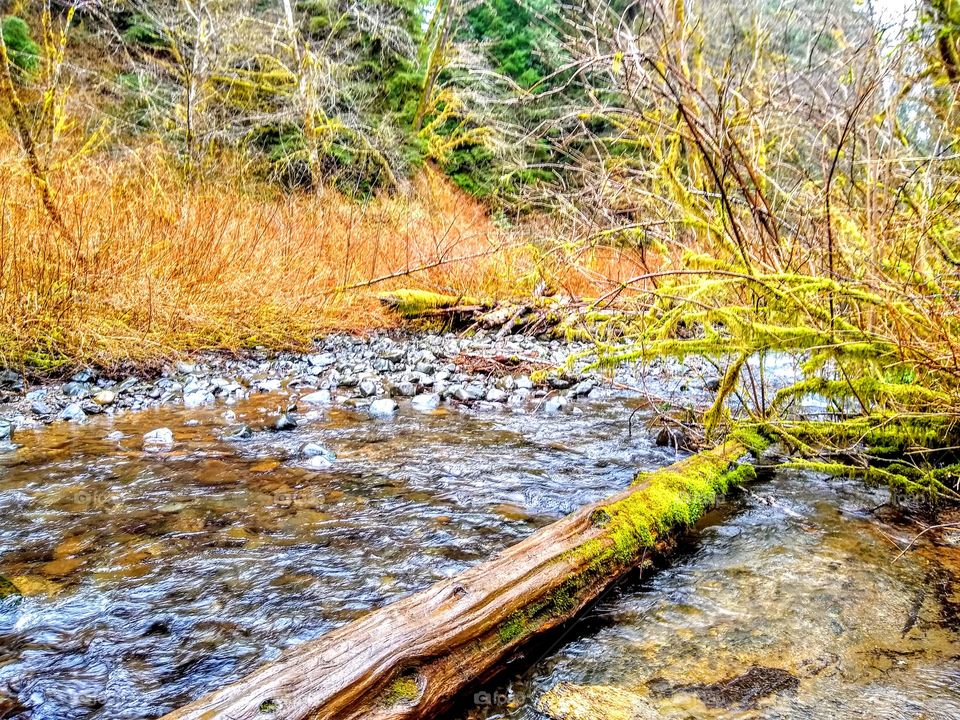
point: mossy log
(411, 659)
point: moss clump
(512, 628)
(269, 706)
(672, 498)
(403, 689)
(751, 437)
(414, 303)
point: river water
(151, 578)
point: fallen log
(409, 660)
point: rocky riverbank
(375, 373)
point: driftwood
(412, 658)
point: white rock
(555, 404)
(105, 397)
(197, 399)
(383, 407)
(427, 401)
(159, 439)
(320, 397)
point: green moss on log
(415, 303)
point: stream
(150, 578)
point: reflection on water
(149, 579)
(790, 608)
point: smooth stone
(158, 439)
(73, 412)
(524, 383)
(320, 397)
(185, 368)
(582, 388)
(197, 399)
(367, 388)
(506, 383)
(383, 407)
(318, 462)
(313, 450)
(237, 432)
(496, 395)
(105, 397)
(115, 436)
(555, 404)
(427, 401)
(404, 389)
(269, 385)
(6, 430)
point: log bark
(410, 659)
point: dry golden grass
(149, 266)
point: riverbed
(144, 576)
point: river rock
(197, 399)
(6, 430)
(73, 412)
(582, 388)
(567, 701)
(426, 401)
(404, 389)
(496, 395)
(159, 439)
(320, 397)
(105, 397)
(555, 404)
(76, 389)
(367, 388)
(524, 383)
(384, 407)
(11, 380)
(316, 450)
(186, 368)
(115, 436)
(237, 432)
(284, 423)
(321, 360)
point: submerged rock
(741, 692)
(314, 450)
(567, 701)
(237, 432)
(159, 439)
(6, 430)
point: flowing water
(150, 578)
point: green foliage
(24, 53)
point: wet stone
(283, 423)
(383, 407)
(741, 692)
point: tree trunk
(411, 659)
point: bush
(23, 51)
